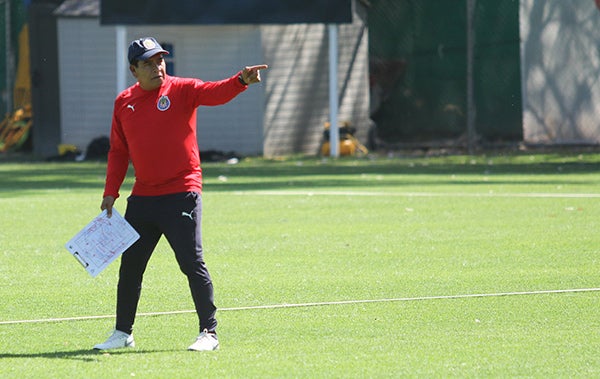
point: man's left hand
(251, 74)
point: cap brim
(150, 53)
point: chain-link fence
(12, 18)
(418, 67)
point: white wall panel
(87, 80)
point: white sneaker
(117, 340)
(205, 342)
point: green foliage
(305, 231)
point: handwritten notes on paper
(102, 241)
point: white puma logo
(185, 214)
(131, 107)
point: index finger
(258, 67)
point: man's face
(150, 73)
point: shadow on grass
(397, 173)
(86, 355)
(259, 174)
(23, 179)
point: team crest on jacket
(163, 103)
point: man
(154, 127)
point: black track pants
(178, 217)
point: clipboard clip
(80, 260)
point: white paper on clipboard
(102, 241)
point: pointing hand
(251, 74)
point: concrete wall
(560, 71)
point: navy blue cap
(143, 49)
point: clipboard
(102, 241)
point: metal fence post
(334, 136)
(471, 108)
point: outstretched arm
(222, 91)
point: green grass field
(379, 257)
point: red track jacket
(156, 131)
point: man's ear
(132, 69)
